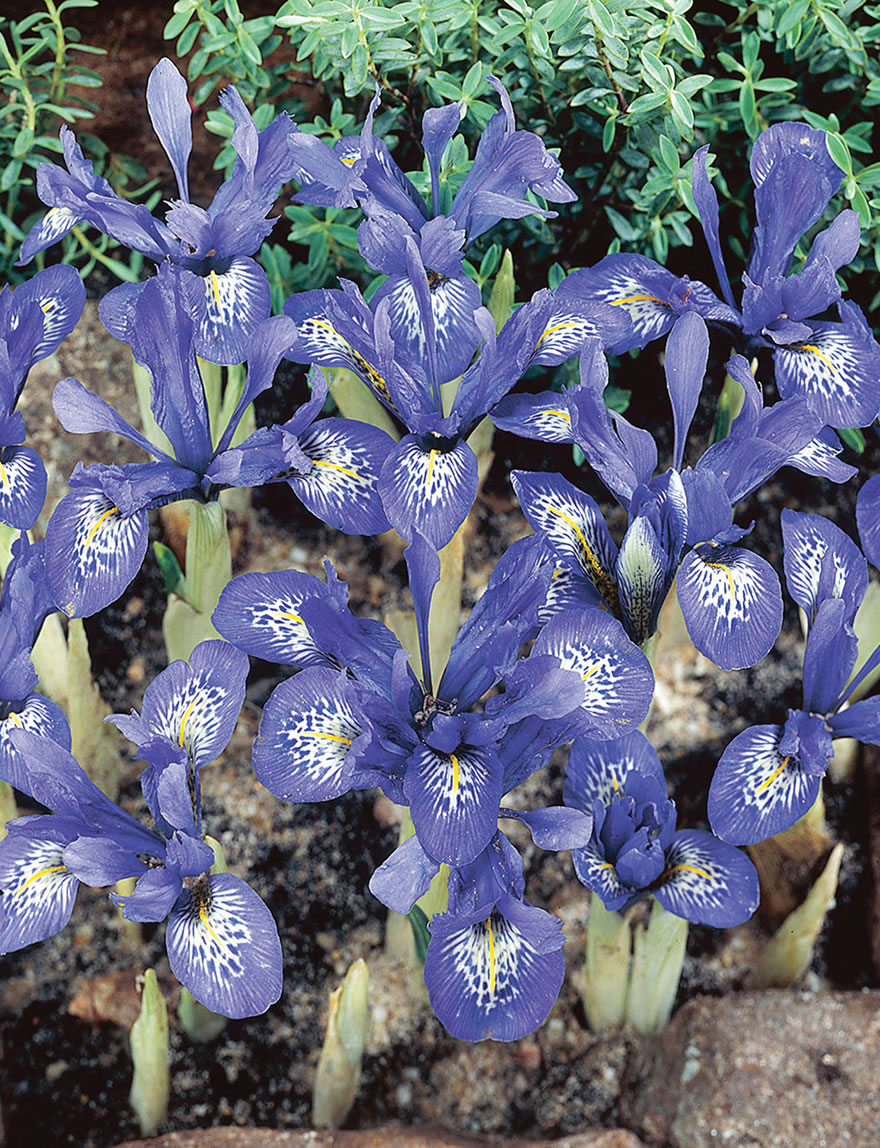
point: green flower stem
(208, 569)
(94, 744)
(790, 950)
(131, 934)
(633, 966)
(658, 956)
(8, 810)
(149, 1052)
(606, 968)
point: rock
(374, 1138)
(773, 1069)
(114, 998)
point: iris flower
(770, 775)
(222, 942)
(635, 849)
(212, 246)
(34, 320)
(97, 536)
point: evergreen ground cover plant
(429, 348)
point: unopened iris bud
(149, 1052)
(339, 1068)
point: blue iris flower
(34, 319)
(213, 246)
(97, 536)
(635, 849)
(222, 942)
(770, 775)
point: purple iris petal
(687, 354)
(756, 791)
(170, 114)
(860, 720)
(38, 890)
(572, 525)
(100, 861)
(36, 714)
(494, 972)
(223, 945)
(821, 562)
(453, 800)
(312, 732)
(259, 613)
(868, 519)
(555, 827)
(836, 370)
(404, 877)
(829, 657)
(707, 881)
(707, 208)
(22, 486)
(794, 179)
(153, 898)
(93, 550)
(429, 484)
(731, 602)
(342, 487)
(193, 705)
(618, 683)
(60, 294)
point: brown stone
(374, 1138)
(771, 1069)
(114, 998)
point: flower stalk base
(633, 966)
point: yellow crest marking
(96, 526)
(773, 775)
(456, 773)
(37, 876)
(820, 355)
(688, 869)
(606, 586)
(637, 299)
(186, 714)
